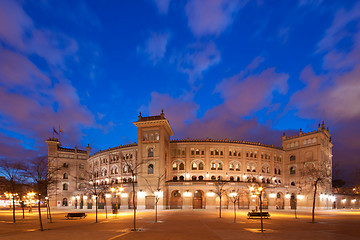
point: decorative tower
(153, 151)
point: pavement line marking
(118, 236)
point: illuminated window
(151, 169)
(150, 152)
(181, 166)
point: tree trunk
(41, 225)
(234, 211)
(48, 203)
(23, 210)
(220, 208)
(313, 208)
(105, 206)
(261, 216)
(96, 208)
(156, 202)
(13, 200)
(134, 205)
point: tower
(153, 150)
(312, 148)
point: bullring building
(185, 173)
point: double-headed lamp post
(258, 191)
(117, 191)
(30, 196)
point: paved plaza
(186, 224)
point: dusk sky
(219, 68)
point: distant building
(188, 170)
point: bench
(258, 215)
(75, 215)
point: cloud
(231, 119)
(211, 17)
(179, 111)
(248, 92)
(197, 59)
(332, 94)
(155, 47)
(162, 6)
(34, 100)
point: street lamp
(258, 191)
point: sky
(218, 68)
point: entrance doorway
(198, 199)
(279, 200)
(176, 200)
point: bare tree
(42, 176)
(133, 168)
(156, 191)
(220, 191)
(235, 196)
(95, 189)
(316, 175)
(12, 172)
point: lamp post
(258, 191)
(30, 196)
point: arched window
(65, 186)
(231, 167)
(292, 158)
(150, 152)
(275, 171)
(220, 166)
(219, 177)
(125, 169)
(279, 172)
(65, 176)
(213, 166)
(193, 178)
(201, 178)
(174, 166)
(151, 169)
(194, 166)
(175, 178)
(232, 178)
(237, 167)
(181, 178)
(213, 178)
(292, 184)
(292, 170)
(181, 166)
(248, 167)
(201, 166)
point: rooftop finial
(323, 125)
(162, 114)
(162, 110)
(140, 117)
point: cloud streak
(211, 17)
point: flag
(60, 131)
(54, 131)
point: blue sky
(219, 68)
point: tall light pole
(258, 191)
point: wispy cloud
(198, 58)
(211, 17)
(154, 47)
(162, 6)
